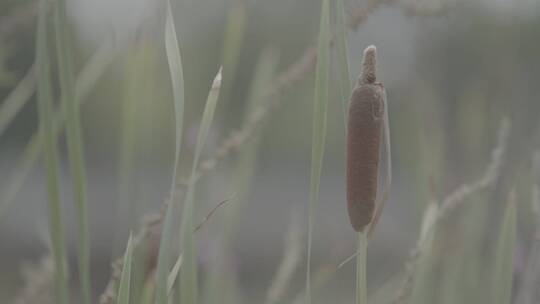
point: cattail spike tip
(369, 66)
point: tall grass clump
(188, 271)
(320, 106)
(51, 156)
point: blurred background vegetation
(452, 69)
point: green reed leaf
(125, 278)
(343, 57)
(51, 156)
(174, 60)
(320, 105)
(188, 271)
(74, 143)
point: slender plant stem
(320, 109)
(56, 229)
(308, 270)
(74, 143)
(361, 259)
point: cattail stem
(361, 263)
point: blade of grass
(320, 105)
(343, 57)
(247, 158)
(174, 60)
(188, 273)
(74, 143)
(16, 100)
(246, 161)
(232, 43)
(125, 280)
(86, 81)
(174, 274)
(141, 270)
(501, 292)
(51, 156)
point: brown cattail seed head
(364, 126)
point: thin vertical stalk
(74, 143)
(361, 263)
(343, 59)
(320, 106)
(188, 273)
(233, 38)
(174, 60)
(51, 156)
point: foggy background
(452, 70)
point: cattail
(364, 134)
